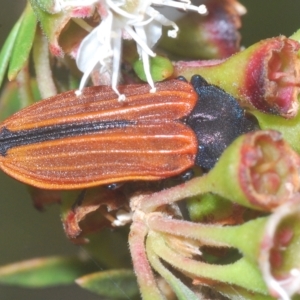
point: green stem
(191, 188)
(215, 235)
(145, 276)
(231, 274)
(181, 290)
(42, 66)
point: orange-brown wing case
(154, 145)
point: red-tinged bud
(214, 35)
(265, 76)
(63, 35)
(279, 251)
(261, 171)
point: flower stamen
(201, 9)
(102, 47)
(83, 24)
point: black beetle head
(217, 119)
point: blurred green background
(26, 233)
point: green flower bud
(257, 170)
(161, 68)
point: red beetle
(71, 142)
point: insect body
(217, 119)
(70, 142)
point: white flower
(120, 19)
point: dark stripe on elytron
(10, 139)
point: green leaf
(6, 50)
(23, 42)
(117, 284)
(45, 272)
